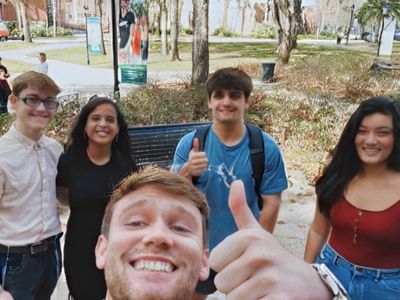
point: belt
(35, 248)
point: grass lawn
(221, 54)
(15, 66)
(17, 44)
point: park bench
(155, 144)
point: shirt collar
(27, 142)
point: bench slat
(155, 144)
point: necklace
(356, 227)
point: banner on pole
(93, 29)
(133, 41)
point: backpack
(256, 146)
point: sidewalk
(86, 79)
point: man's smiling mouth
(154, 266)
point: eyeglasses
(49, 103)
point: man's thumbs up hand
(198, 161)
(252, 265)
(242, 214)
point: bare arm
(317, 236)
(263, 268)
(62, 195)
(4, 295)
(270, 211)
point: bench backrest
(155, 144)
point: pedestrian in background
(42, 67)
(5, 90)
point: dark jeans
(31, 276)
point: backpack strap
(257, 158)
(201, 134)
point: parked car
(397, 34)
(354, 33)
(4, 32)
(369, 37)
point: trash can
(268, 71)
(338, 40)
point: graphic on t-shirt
(226, 175)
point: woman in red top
(356, 227)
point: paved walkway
(70, 76)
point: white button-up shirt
(28, 205)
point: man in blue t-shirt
(226, 157)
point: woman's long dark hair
(345, 163)
(77, 143)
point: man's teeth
(156, 266)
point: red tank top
(366, 238)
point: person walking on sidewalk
(42, 67)
(5, 90)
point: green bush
(263, 31)
(222, 32)
(155, 104)
(327, 35)
(186, 31)
(5, 122)
(346, 76)
(40, 30)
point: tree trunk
(25, 22)
(382, 24)
(164, 38)
(225, 15)
(99, 9)
(180, 5)
(174, 29)
(287, 15)
(200, 55)
(19, 17)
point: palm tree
(377, 11)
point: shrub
(264, 31)
(346, 76)
(223, 32)
(186, 31)
(157, 104)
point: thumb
(196, 145)
(241, 212)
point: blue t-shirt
(226, 164)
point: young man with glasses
(30, 256)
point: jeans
(31, 276)
(362, 283)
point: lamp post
(114, 41)
(350, 25)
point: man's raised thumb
(196, 145)
(241, 212)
